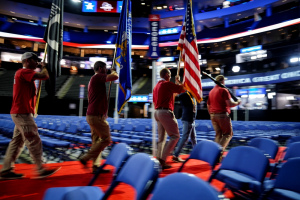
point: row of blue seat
(243, 171)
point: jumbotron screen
(102, 6)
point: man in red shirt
(22, 111)
(163, 99)
(97, 114)
(218, 105)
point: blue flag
(123, 54)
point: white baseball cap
(30, 55)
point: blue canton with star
(190, 35)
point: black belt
(161, 108)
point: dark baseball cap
(30, 55)
(220, 78)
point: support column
(269, 10)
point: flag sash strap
(189, 54)
(40, 85)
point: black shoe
(83, 162)
(103, 171)
(164, 165)
(46, 173)
(10, 175)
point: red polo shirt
(217, 100)
(97, 95)
(24, 92)
(163, 94)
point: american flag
(189, 51)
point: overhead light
(141, 56)
(217, 68)
(290, 98)
(108, 42)
(165, 6)
(105, 30)
(236, 68)
(159, 8)
(82, 65)
(14, 18)
(31, 21)
(293, 60)
(143, 3)
(148, 33)
(264, 55)
(253, 57)
(62, 61)
(115, 31)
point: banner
(53, 36)
(154, 36)
(279, 76)
(123, 55)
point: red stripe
(191, 86)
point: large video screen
(102, 6)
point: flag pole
(179, 62)
(40, 84)
(109, 88)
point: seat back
(119, 154)
(117, 127)
(140, 171)
(72, 129)
(183, 186)
(267, 146)
(293, 151)
(207, 151)
(128, 127)
(292, 140)
(289, 176)
(246, 160)
(140, 128)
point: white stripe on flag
(191, 64)
(192, 81)
(191, 48)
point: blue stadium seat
(117, 158)
(267, 146)
(140, 171)
(180, 186)
(242, 170)
(207, 151)
(286, 185)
